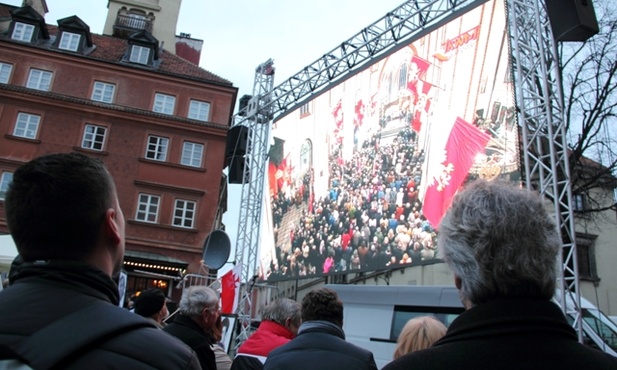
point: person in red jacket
(280, 321)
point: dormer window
(69, 41)
(27, 26)
(143, 49)
(139, 54)
(74, 35)
(23, 32)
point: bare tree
(589, 76)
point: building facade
(157, 121)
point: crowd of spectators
(370, 219)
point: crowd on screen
(370, 219)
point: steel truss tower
(538, 99)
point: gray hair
(196, 298)
(282, 309)
(501, 242)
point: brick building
(157, 121)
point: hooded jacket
(43, 292)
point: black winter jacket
(44, 292)
(187, 330)
(508, 334)
(320, 345)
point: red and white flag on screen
(230, 289)
(464, 143)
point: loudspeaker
(237, 141)
(244, 102)
(216, 249)
(572, 20)
(235, 173)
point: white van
(375, 315)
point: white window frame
(164, 103)
(5, 72)
(22, 32)
(94, 137)
(184, 213)
(139, 54)
(27, 125)
(192, 154)
(156, 148)
(103, 92)
(39, 79)
(148, 208)
(5, 181)
(199, 110)
(69, 41)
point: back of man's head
(55, 205)
(501, 242)
(149, 302)
(197, 298)
(322, 304)
(282, 309)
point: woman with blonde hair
(419, 333)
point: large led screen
(360, 176)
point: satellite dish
(216, 249)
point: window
(27, 125)
(94, 137)
(184, 213)
(191, 154)
(199, 110)
(157, 148)
(148, 208)
(103, 92)
(5, 180)
(305, 110)
(164, 103)
(579, 203)
(38, 79)
(22, 32)
(69, 41)
(586, 256)
(5, 72)
(139, 54)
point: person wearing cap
(152, 304)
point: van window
(402, 314)
(602, 327)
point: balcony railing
(133, 23)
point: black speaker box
(237, 141)
(235, 173)
(572, 20)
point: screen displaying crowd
(360, 176)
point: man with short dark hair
(280, 321)
(152, 304)
(194, 324)
(502, 246)
(320, 343)
(64, 215)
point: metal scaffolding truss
(539, 99)
(538, 94)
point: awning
(152, 261)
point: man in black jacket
(502, 246)
(320, 343)
(64, 215)
(199, 310)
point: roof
(113, 49)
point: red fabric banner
(464, 143)
(230, 290)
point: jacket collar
(321, 326)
